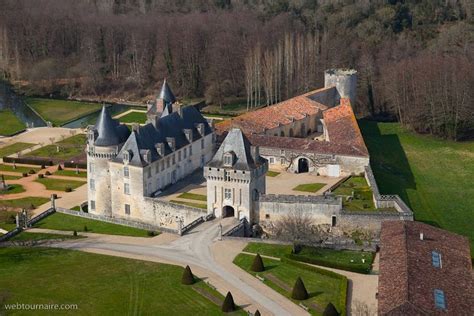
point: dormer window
(436, 259)
(229, 159)
(127, 155)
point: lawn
(309, 187)
(272, 173)
(71, 173)
(59, 184)
(13, 189)
(433, 176)
(60, 112)
(193, 196)
(60, 221)
(23, 202)
(361, 195)
(322, 287)
(8, 177)
(14, 148)
(192, 204)
(68, 148)
(19, 169)
(133, 117)
(339, 259)
(99, 284)
(7, 220)
(10, 123)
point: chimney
(189, 134)
(421, 236)
(136, 127)
(160, 149)
(147, 156)
(255, 150)
(171, 142)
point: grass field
(434, 177)
(19, 169)
(66, 222)
(59, 184)
(71, 173)
(272, 173)
(12, 189)
(14, 148)
(322, 288)
(68, 148)
(59, 112)
(23, 202)
(133, 117)
(193, 196)
(192, 204)
(339, 259)
(10, 123)
(362, 200)
(309, 187)
(7, 220)
(8, 177)
(99, 284)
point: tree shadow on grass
(388, 160)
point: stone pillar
(53, 202)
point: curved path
(194, 249)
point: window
(227, 194)
(168, 162)
(92, 205)
(91, 167)
(92, 184)
(162, 164)
(126, 188)
(184, 153)
(157, 168)
(272, 160)
(436, 259)
(439, 299)
(267, 216)
(126, 172)
(202, 143)
(228, 159)
(127, 209)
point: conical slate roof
(237, 143)
(109, 131)
(166, 94)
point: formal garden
(64, 149)
(310, 287)
(14, 148)
(118, 285)
(133, 117)
(356, 194)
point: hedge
(353, 267)
(80, 165)
(29, 161)
(343, 290)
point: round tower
(345, 81)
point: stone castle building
(316, 132)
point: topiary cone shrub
(330, 310)
(60, 168)
(74, 233)
(47, 173)
(257, 265)
(68, 189)
(188, 277)
(228, 305)
(257, 313)
(299, 290)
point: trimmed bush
(47, 173)
(79, 165)
(188, 277)
(330, 310)
(228, 305)
(55, 196)
(257, 265)
(299, 290)
(60, 168)
(28, 161)
(151, 233)
(42, 166)
(85, 228)
(40, 176)
(74, 233)
(354, 267)
(68, 189)
(257, 313)
(31, 171)
(24, 174)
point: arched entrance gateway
(228, 211)
(303, 165)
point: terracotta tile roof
(256, 122)
(342, 127)
(408, 278)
